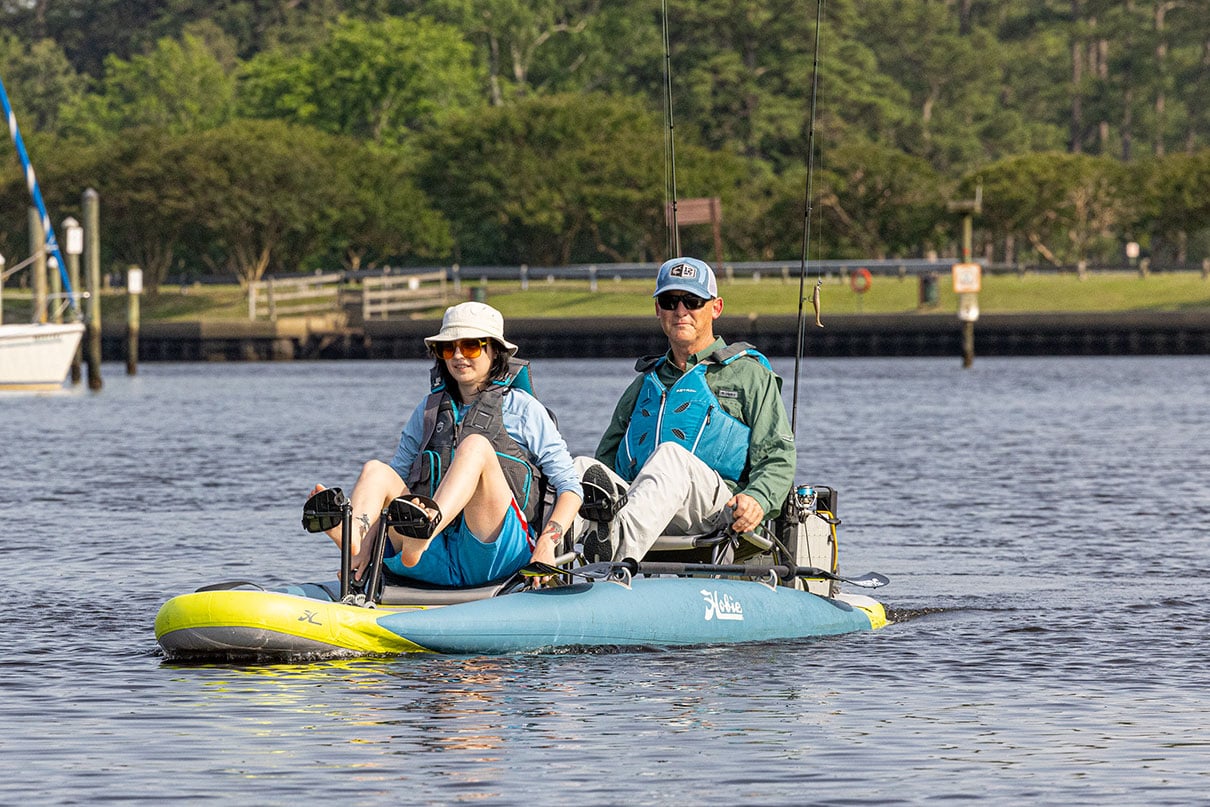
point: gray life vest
(444, 430)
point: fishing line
(674, 235)
(806, 234)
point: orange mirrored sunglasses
(469, 348)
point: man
(698, 441)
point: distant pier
(912, 334)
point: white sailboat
(37, 355)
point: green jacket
(750, 393)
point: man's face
(688, 328)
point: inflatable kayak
(305, 622)
(787, 590)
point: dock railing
(373, 297)
(385, 295)
(284, 297)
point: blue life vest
(687, 413)
(444, 428)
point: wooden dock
(912, 334)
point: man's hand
(746, 514)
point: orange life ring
(860, 280)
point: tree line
(246, 137)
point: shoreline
(864, 335)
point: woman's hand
(548, 543)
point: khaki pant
(675, 493)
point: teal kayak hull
(304, 622)
(657, 612)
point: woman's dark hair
(497, 371)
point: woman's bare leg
(474, 486)
(377, 485)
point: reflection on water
(1042, 522)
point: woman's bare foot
(333, 533)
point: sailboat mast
(31, 181)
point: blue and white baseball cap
(686, 274)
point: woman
(465, 485)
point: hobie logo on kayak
(723, 607)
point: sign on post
(968, 278)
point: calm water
(1043, 521)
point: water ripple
(1042, 522)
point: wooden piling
(37, 248)
(92, 262)
(134, 290)
(73, 233)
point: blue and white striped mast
(52, 246)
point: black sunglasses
(692, 302)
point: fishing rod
(674, 233)
(31, 181)
(806, 236)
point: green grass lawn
(886, 295)
(614, 298)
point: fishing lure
(815, 301)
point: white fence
(390, 294)
(273, 298)
(373, 297)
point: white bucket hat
(472, 321)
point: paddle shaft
(743, 570)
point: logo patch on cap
(683, 270)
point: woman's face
(470, 370)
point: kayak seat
(402, 591)
(719, 546)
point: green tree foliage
(277, 190)
(740, 72)
(953, 80)
(40, 81)
(879, 203)
(518, 38)
(180, 86)
(1068, 207)
(88, 31)
(378, 214)
(147, 184)
(241, 199)
(1176, 190)
(550, 179)
(252, 25)
(568, 166)
(378, 81)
